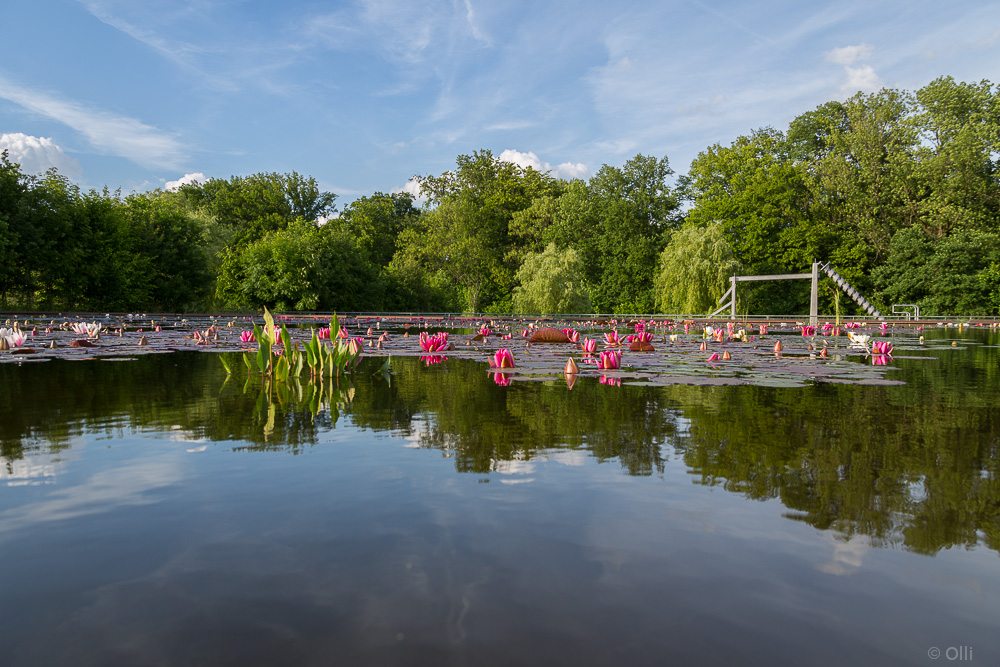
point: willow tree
(552, 282)
(694, 270)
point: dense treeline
(899, 191)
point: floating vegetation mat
(677, 356)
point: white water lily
(89, 330)
(860, 340)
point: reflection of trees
(481, 423)
(914, 465)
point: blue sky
(137, 94)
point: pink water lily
(323, 333)
(882, 347)
(502, 359)
(435, 343)
(612, 338)
(883, 326)
(808, 330)
(609, 359)
(484, 331)
(247, 337)
(526, 333)
(589, 345)
(714, 357)
(763, 330)
(356, 345)
(572, 334)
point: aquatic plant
(247, 337)
(433, 343)
(502, 359)
(609, 359)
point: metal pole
(732, 311)
(814, 296)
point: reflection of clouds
(26, 472)
(105, 490)
(847, 554)
(571, 457)
(505, 467)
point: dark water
(153, 514)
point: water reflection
(913, 465)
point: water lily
(323, 333)
(502, 359)
(589, 345)
(484, 331)
(247, 337)
(433, 359)
(15, 338)
(611, 339)
(435, 343)
(571, 367)
(763, 330)
(609, 359)
(714, 357)
(572, 334)
(882, 347)
(883, 326)
(356, 345)
(808, 330)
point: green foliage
(942, 276)
(376, 223)
(303, 267)
(466, 234)
(551, 282)
(694, 270)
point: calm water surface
(152, 513)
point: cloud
(37, 155)
(848, 55)
(412, 187)
(186, 179)
(567, 170)
(110, 133)
(862, 79)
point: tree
(377, 222)
(942, 276)
(303, 267)
(636, 210)
(694, 270)
(760, 197)
(552, 282)
(466, 231)
(260, 203)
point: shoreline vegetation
(898, 190)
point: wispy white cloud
(107, 132)
(37, 155)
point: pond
(154, 510)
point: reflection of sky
(102, 491)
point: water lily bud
(703, 346)
(778, 347)
(726, 356)
(571, 367)
(143, 341)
